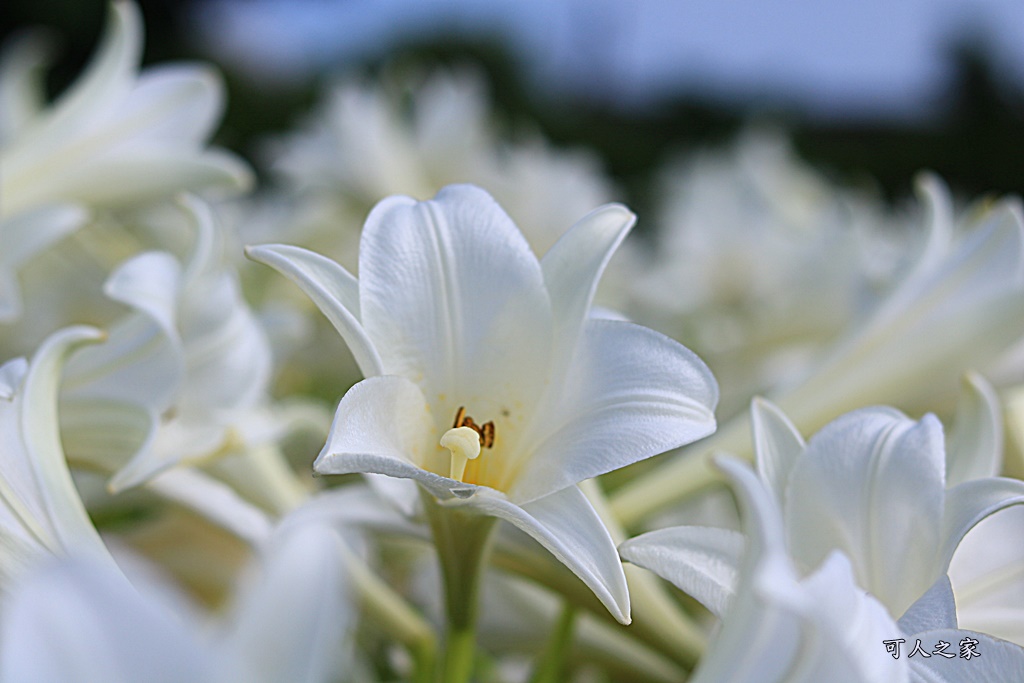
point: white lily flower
(987, 570)
(781, 627)
(116, 137)
(957, 309)
(760, 262)
(455, 322)
(41, 512)
(873, 484)
(183, 378)
(79, 621)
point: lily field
(409, 399)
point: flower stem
(462, 540)
(552, 662)
(395, 615)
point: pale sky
(835, 58)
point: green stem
(396, 616)
(460, 647)
(462, 540)
(552, 662)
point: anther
(485, 431)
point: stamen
(464, 443)
(486, 431)
(460, 414)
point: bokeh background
(871, 91)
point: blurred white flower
(782, 626)
(760, 262)
(873, 483)
(455, 322)
(78, 621)
(41, 513)
(413, 136)
(957, 309)
(987, 570)
(183, 379)
(116, 137)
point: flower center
(465, 440)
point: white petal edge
(974, 448)
(107, 77)
(777, 445)
(573, 267)
(566, 524)
(40, 429)
(935, 609)
(969, 503)
(700, 561)
(383, 426)
(334, 291)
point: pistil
(464, 443)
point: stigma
(464, 443)
(465, 440)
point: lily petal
(573, 267)
(974, 448)
(25, 235)
(39, 424)
(630, 394)
(144, 171)
(936, 609)
(106, 79)
(174, 103)
(777, 445)
(701, 561)
(935, 326)
(840, 618)
(142, 362)
(969, 503)
(566, 524)
(290, 624)
(987, 572)
(78, 621)
(468, 315)
(383, 425)
(872, 484)
(774, 629)
(332, 289)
